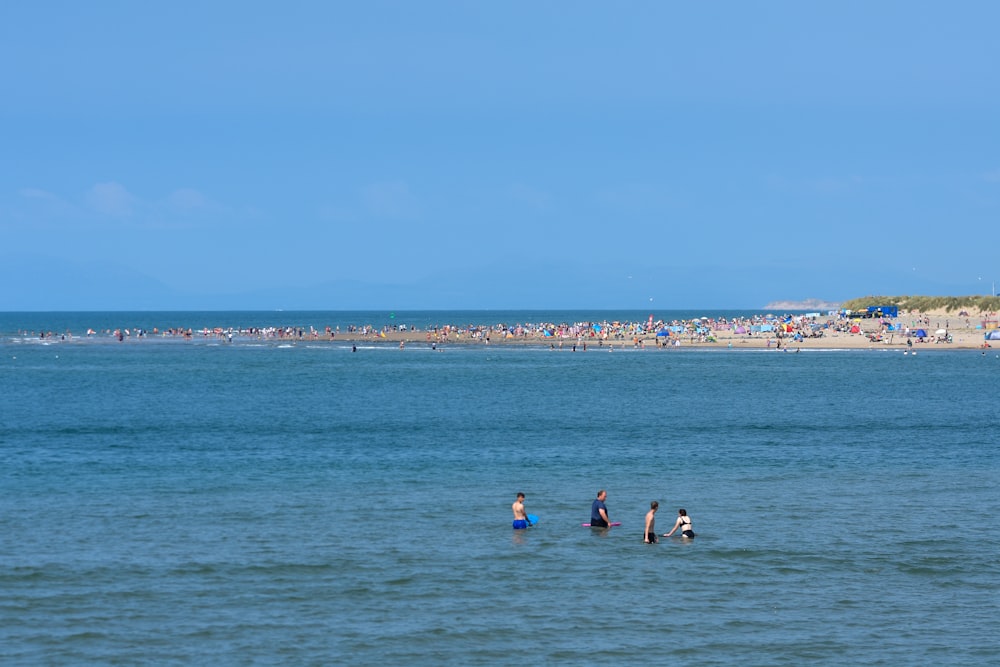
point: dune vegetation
(923, 304)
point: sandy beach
(962, 333)
(943, 330)
(938, 330)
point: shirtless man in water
(520, 516)
(650, 531)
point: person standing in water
(684, 523)
(650, 532)
(599, 511)
(520, 514)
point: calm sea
(196, 502)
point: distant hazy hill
(806, 304)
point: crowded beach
(840, 329)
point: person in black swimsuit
(683, 523)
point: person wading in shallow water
(684, 523)
(520, 517)
(599, 511)
(649, 536)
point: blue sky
(495, 155)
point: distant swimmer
(520, 515)
(599, 511)
(650, 533)
(684, 523)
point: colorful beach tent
(993, 334)
(920, 333)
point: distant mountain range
(35, 282)
(805, 304)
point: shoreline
(944, 331)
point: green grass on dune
(973, 304)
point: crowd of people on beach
(599, 519)
(606, 330)
(638, 333)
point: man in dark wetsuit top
(599, 511)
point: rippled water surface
(191, 502)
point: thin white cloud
(389, 200)
(187, 199)
(111, 199)
(37, 193)
(337, 213)
(533, 197)
(386, 200)
(635, 197)
(40, 208)
(813, 186)
(831, 186)
(112, 203)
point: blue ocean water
(178, 502)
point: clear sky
(408, 155)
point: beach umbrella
(740, 330)
(940, 332)
(662, 332)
